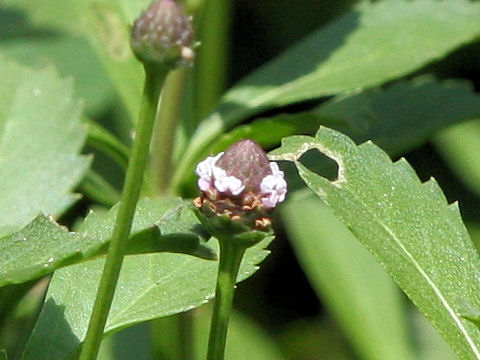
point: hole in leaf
(320, 164)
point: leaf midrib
(417, 266)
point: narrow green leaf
(408, 226)
(43, 245)
(370, 44)
(40, 140)
(150, 286)
(373, 43)
(347, 277)
(393, 117)
(95, 187)
(101, 139)
(459, 146)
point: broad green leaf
(373, 43)
(3, 355)
(110, 36)
(246, 339)
(364, 300)
(43, 245)
(408, 226)
(40, 140)
(150, 286)
(459, 146)
(40, 32)
(393, 117)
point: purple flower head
(163, 34)
(240, 182)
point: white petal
(229, 184)
(275, 169)
(273, 188)
(204, 184)
(205, 168)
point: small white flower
(205, 172)
(273, 187)
(229, 184)
(213, 176)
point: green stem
(212, 56)
(169, 114)
(131, 191)
(231, 255)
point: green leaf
(110, 35)
(364, 300)
(459, 146)
(101, 139)
(40, 140)
(373, 43)
(40, 32)
(393, 117)
(3, 355)
(43, 245)
(150, 286)
(96, 188)
(408, 226)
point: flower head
(242, 184)
(163, 35)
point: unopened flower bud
(240, 184)
(163, 35)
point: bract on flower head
(241, 183)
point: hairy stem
(231, 256)
(131, 191)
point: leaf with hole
(407, 225)
(346, 277)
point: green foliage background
(403, 74)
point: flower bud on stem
(159, 39)
(240, 188)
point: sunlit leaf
(150, 286)
(393, 117)
(408, 226)
(40, 140)
(353, 286)
(43, 245)
(375, 42)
